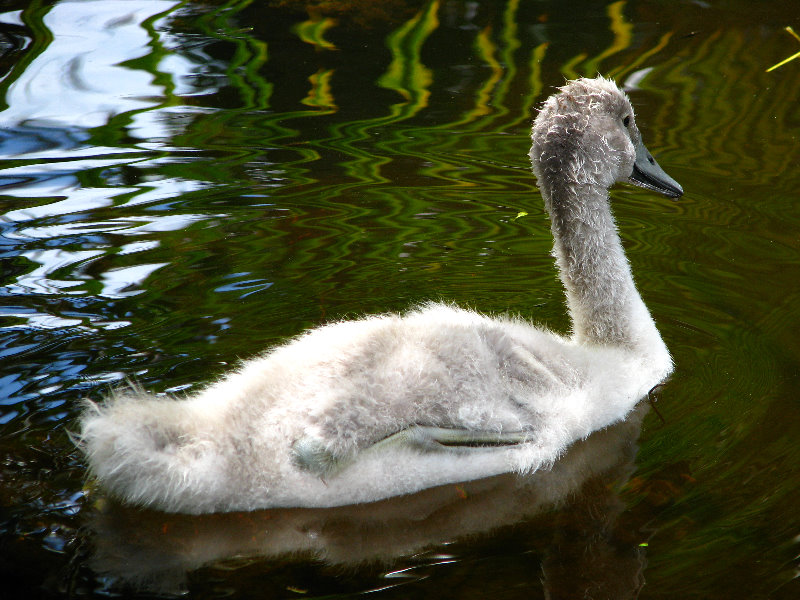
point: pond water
(183, 184)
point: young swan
(362, 410)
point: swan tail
(146, 450)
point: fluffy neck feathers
(603, 302)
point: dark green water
(185, 184)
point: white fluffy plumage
(306, 423)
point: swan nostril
(651, 160)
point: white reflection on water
(39, 281)
(13, 17)
(126, 281)
(37, 320)
(117, 282)
(81, 80)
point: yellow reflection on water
(406, 74)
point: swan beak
(647, 174)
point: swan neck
(603, 302)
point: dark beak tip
(652, 177)
(673, 193)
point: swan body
(357, 411)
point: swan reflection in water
(568, 517)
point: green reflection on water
(350, 169)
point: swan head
(586, 134)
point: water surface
(183, 184)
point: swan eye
(626, 121)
